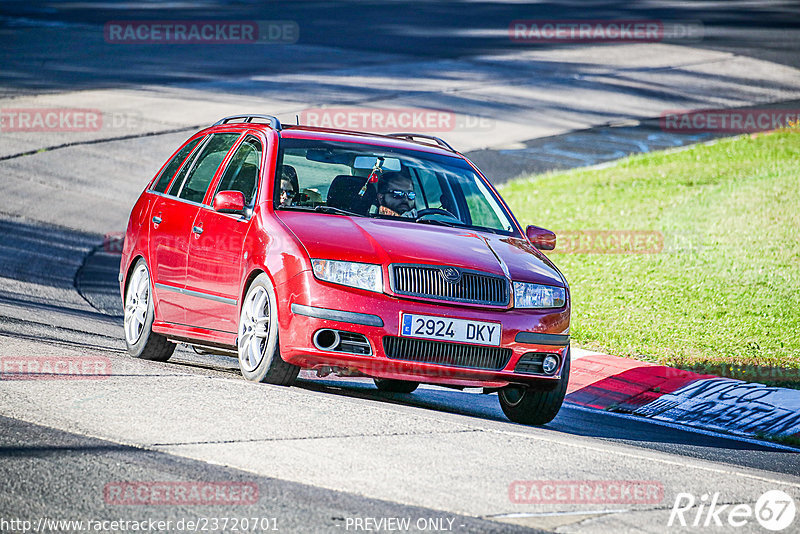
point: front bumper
(307, 305)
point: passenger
(289, 185)
(396, 195)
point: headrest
(343, 194)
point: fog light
(550, 364)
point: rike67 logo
(774, 510)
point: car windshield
(375, 181)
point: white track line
(550, 514)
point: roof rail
(411, 136)
(274, 123)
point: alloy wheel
(136, 304)
(254, 326)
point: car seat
(343, 194)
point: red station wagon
(357, 254)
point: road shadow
(42, 254)
(571, 420)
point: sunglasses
(288, 192)
(410, 195)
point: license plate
(446, 329)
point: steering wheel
(435, 211)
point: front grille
(531, 363)
(427, 281)
(444, 353)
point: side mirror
(229, 202)
(541, 238)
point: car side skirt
(189, 334)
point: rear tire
(529, 407)
(139, 314)
(395, 386)
(257, 344)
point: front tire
(257, 344)
(529, 407)
(139, 314)
(395, 386)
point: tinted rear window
(205, 166)
(173, 165)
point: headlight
(538, 296)
(361, 275)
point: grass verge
(723, 292)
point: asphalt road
(67, 476)
(328, 451)
(518, 107)
(447, 29)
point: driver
(396, 195)
(289, 185)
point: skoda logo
(451, 274)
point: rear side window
(173, 165)
(205, 166)
(181, 176)
(243, 170)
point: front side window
(205, 166)
(174, 164)
(243, 170)
(382, 182)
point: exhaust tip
(326, 339)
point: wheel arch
(129, 271)
(252, 275)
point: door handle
(197, 230)
(157, 220)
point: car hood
(385, 241)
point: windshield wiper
(437, 222)
(337, 211)
(460, 225)
(322, 209)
